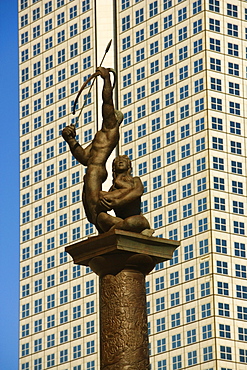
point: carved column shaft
(122, 259)
(123, 322)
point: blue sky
(9, 186)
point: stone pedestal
(122, 259)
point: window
(169, 79)
(182, 34)
(160, 324)
(125, 23)
(168, 41)
(242, 313)
(85, 5)
(175, 319)
(182, 14)
(186, 170)
(214, 5)
(202, 204)
(219, 183)
(188, 252)
(48, 25)
(233, 69)
(223, 309)
(139, 17)
(223, 288)
(242, 334)
(50, 301)
(220, 223)
(235, 128)
(214, 25)
(160, 304)
(215, 84)
(63, 356)
(188, 231)
(90, 347)
(192, 358)
(167, 21)
(161, 345)
(173, 235)
(232, 10)
(239, 249)
(189, 273)
(198, 85)
(158, 221)
(153, 8)
(240, 271)
(191, 336)
(238, 207)
(190, 315)
(183, 53)
(207, 353)
(237, 187)
(234, 108)
(63, 238)
(185, 131)
(232, 49)
(204, 268)
(154, 48)
(203, 246)
(171, 176)
(169, 98)
(200, 144)
(201, 164)
(197, 46)
(74, 48)
(218, 163)
(73, 31)
(157, 201)
(206, 310)
(205, 289)
(73, 12)
(159, 283)
(222, 267)
(197, 26)
(183, 72)
(216, 104)
(168, 60)
(225, 353)
(176, 340)
(232, 29)
(184, 92)
(219, 203)
(190, 294)
(238, 227)
(60, 36)
(170, 157)
(24, 74)
(174, 279)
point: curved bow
(93, 76)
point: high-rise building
(182, 67)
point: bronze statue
(124, 197)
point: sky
(9, 186)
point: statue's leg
(93, 179)
(107, 222)
(136, 224)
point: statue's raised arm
(124, 197)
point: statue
(124, 196)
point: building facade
(182, 67)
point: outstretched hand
(104, 72)
(69, 133)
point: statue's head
(119, 116)
(121, 163)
